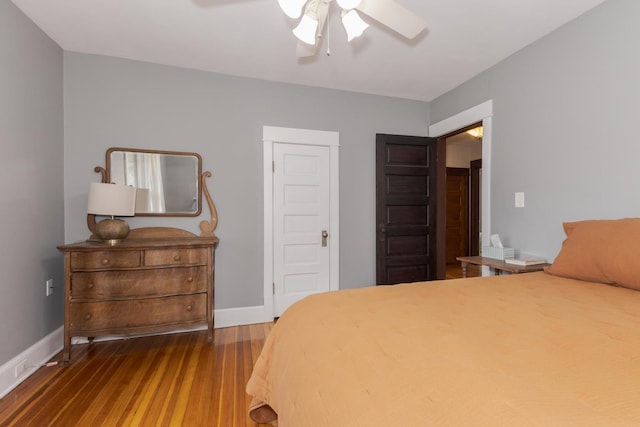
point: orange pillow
(604, 251)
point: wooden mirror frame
(198, 173)
(207, 228)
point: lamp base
(112, 230)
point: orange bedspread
(520, 350)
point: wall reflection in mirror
(167, 183)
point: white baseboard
(33, 357)
(226, 317)
(39, 353)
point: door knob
(324, 238)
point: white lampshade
(306, 29)
(348, 4)
(354, 25)
(111, 199)
(292, 8)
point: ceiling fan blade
(393, 15)
(304, 50)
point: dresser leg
(66, 351)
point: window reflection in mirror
(167, 183)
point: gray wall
(114, 102)
(31, 182)
(565, 127)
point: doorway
(463, 156)
(481, 113)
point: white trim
(226, 317)
(484, 113)
(270, 136)
(334, 216)
(300, 136)
(35, 356)
(267, 151)
(462, 119)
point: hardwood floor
(454, 271)
(168, 380)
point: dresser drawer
(158, 257)
(101, 285)
(92, 318)
(105, 259)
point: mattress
(526, 350)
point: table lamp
(111, 200)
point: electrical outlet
(519, 200)
(20, 368)
(48, 287)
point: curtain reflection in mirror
(145, 172)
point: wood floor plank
(454, 271)
(172, 380)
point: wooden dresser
(141, 285)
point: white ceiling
(252, 38)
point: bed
(559, 347)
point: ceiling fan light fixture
(354, 25)
(306, 29)
(348, 4)
(292, 8)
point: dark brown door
(474, 211)
(457, 214)
(405, 208)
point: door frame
(272, 135)
(480, 113)
(474, 206)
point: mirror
(167, 182)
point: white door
(301, 227)
(301, 215)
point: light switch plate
(519, 200)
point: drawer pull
(176, 257)
(189, 308)
(189, 279)
(90, 285)
(105, 261)
(87, 316)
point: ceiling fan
(387, 12)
